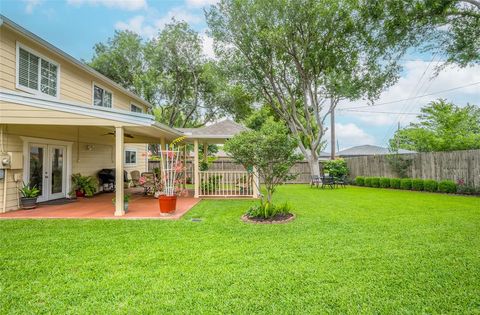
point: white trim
(40, 57)
(69, 157)
(125, 157)
(104, 90)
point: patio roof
(219, 131)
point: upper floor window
(36, 73)
(101, 97)
(136, 109)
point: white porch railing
(227, 184)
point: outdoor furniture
(315, 181)
(135, 175)
(341, 181)
(328, 181)
(107, 178)
(149, 184)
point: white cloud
(207, 43)
(411, 84)
(137, 25)
(129, 5)
(30, 5)
(200, 3)
(149, 26)
(349, 135)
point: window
(130, 156)
(101, 97)
(136, 109)
(36, 73)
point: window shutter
(28, 69)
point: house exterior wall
(76, 84)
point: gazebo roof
(221, 130)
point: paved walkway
(101, 206)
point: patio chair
(150, 183)
(135, 176)
(328, 181)
(341, 181)
(315, 181)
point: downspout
(2, 150)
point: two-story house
(58, 117)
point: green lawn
(354, 250)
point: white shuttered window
(36, 73)
(101, 97)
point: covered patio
(101, 207)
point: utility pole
(332, 133)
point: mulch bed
(278, 219)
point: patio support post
(162, 143)
(195, 169)
(119, 151)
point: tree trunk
(313, 162)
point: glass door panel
(57, 170)
(37, 167)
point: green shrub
(385, 182)
(447, 186)
(395, 183)
(368, 181)
(406, 183)
(268, 210)
(430, 185)
(376, 182)
(360, 181)
(336, 168)
(417, 184)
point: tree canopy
(171, 72)
(442, 126)
(301, 57)
(449, 28)
(270, 150)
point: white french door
(47, 170)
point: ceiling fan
(127, 135)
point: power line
(411, 98)
(375, 112)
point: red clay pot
(167, 203)
(79, 193)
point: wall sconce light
(90, 147)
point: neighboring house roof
(224, 129)
(47, 45)
(368, 149)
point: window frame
(104, 89)
(125, 157)
(39, 73)
(137, 106)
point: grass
(354, 250)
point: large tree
(442, 126)
(447, 28)
(302, 56)
(171, 72)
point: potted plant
(126, 199)
(29, 196)
(83, 186)
(171, 168)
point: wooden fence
(452, 165)
(433, 165)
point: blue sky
(76, 25)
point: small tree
(270, 150)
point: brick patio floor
(100, 206)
